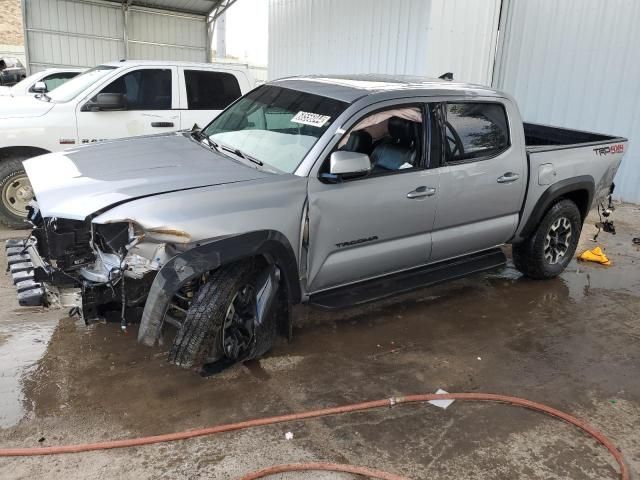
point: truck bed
(540, 138)
(560, 156)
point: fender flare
(552, 194)
(209, 256)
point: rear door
(152, 98)
(482, 180)
(204, 93)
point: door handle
(508, 177)
(422, 192)
(162, 124)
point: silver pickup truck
(331, 191)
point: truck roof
(349, 88)
(133, 63)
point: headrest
(359, 141)
(403, 130)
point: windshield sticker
(308, 118)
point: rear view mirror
(39, 87)
(344, 163)
(106, 101)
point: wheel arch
(579, 189)
(21, 151)
(271, 245)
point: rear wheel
(550, 248)
(15, 193)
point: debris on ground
(594, 255)
(288, 435)
(443, 404)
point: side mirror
(107, 101)
(348, 164)
(39, 87)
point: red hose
(356, 407)
(326, 467)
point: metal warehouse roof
(196, 7)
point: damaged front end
(98, 271)
(118, 271)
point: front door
(378, 224)
(150, 93)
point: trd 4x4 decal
(619, 148)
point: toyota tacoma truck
(113, 100)
(331, 191)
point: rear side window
(475, 131)
(210, 90)
(147, 89)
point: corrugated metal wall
(71, 33)
(413, 37)
(575, 63)
(463, 37)
(86, 33)
(166, 36)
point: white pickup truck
(113, 100)
(41, 82)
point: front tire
(15, 193)
(221, 321)
(550, 248)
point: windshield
(275, 125)
(77, 85)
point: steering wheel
(453, 140)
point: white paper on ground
(441, 403)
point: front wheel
(550, 248)
(222, 323)
(15, 193)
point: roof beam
(220, 8)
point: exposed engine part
(606, 224)
(77, 264)
(64, 243)
(120, 251)
(105, 269)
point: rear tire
(220, 322)
(550, 248)
(15, 193)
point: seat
(359, 141)
(154, 90)
(401, 150)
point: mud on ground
(572, 342)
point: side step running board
(395, 284)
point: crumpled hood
(78, 182)
(23, 106)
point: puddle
(21, 346)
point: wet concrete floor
(572, 342)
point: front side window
(392, 138)
(54, 80)
(475, 130)
(147, 89)
(275, 125)
(210, 90)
